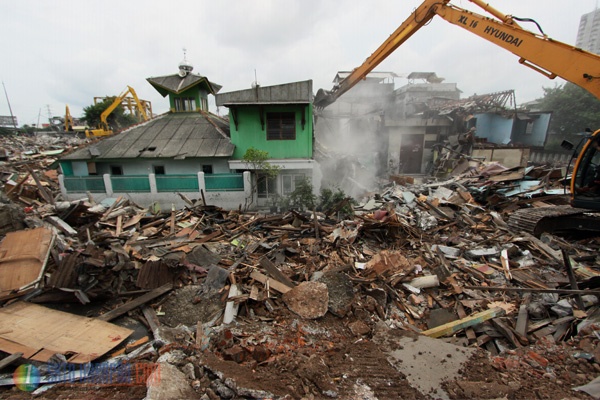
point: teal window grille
(130, 183)
(82, 184)
(177, 183)
(224, 182)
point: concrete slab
(427, 362)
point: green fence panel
(177, 183)
(130, 183)
(224, 182)
(82, 184)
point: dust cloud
(351, 143)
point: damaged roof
(177, 84)
(178, 135)
(287, 93)
(373, 75)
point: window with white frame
(185, 104)
(266, 187)
(290, 181)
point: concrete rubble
(428, 290)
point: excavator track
(553, 219)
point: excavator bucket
(323, 98)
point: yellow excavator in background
(535, 50)
(143, 110)
(68, 120)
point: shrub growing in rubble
(336, 201)
(303, 197)
(330, 201)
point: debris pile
(427, 291)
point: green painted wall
(66, 167)
(250, 133)
(195, 92)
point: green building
(279, 120)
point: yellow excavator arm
(68, 119)
(537, 51)
(104, 129)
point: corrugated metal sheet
(189, 134)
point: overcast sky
(56, 53)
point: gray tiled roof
(176, 84)
(287, 93)
(181, 135)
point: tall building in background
(588, 36)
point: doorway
(411, 153)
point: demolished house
(413, 129)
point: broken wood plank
(5, 362)
(172, 221)
(523, 316)
(119, 228)
(111, 208)
(280, 287)
(455, 326)
(18, 185)
(505, 264)
(62, 225)
(515, 339)
(135, 303)
(532, 290)
(543, 247)
(45, 193)
(231, 308)
(275, 272)
(151, 319)
(186, 199)
(470, 332)
(572, 279)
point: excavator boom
(546, 56)
(143, 109)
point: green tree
(263, 171)
(117, 119)
(573, 110)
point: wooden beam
(523, 316)
(111, 208)
(531, 290)
(43, 191)
(61, 225)
(5, 362)
(117, 312)
(273, 284)
(572, 279)
(275, 272)
(455, 326)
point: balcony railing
(130, 183)
(93, 184)
(154, 183)
(224, 182)
(177, 183)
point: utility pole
(10, 108)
